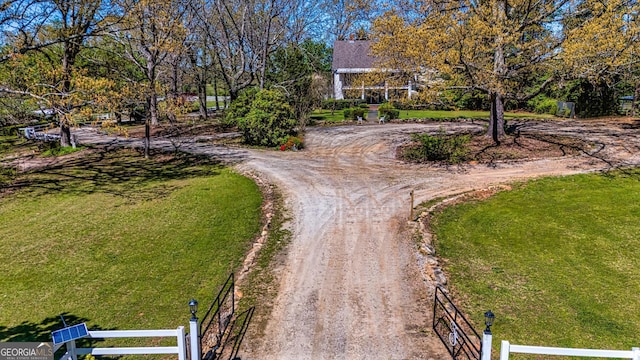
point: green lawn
(466, 114)
(120, 242)
(325, 115)
(338, 115)
(556, 260)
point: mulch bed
(482, 149)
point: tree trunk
(65, 134)
(202, 99)
(147, 137)
(215, 91)
(496, 118)
(153, 106)
(152, 100)
(265, 53)
(175, 67)
(496, 115)
(202, 92)
(233, 94)
(634, 103)
(68, 60)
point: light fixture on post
(487, 336)
(488, 321)
(193, 307)
(194, 330)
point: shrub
(332, 104)
(269, 121)
(239, 108)
(353, 113)
(440, 147)
(543, 105)
(388, 111)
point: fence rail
(38, 132)
(506, 348)
(180, 349)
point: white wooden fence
(180, 349)
(506, 348)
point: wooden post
(411, 213)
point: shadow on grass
(33, 332)
(123, 173)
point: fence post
(182, 346)
(411, 218)
(504, 350)
(194, 334)
(636, 353)
(486, 345)
(71, 349)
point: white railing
(180, 349)
(506, 348)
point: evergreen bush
(269, 121)
(388, 111)
(439, 147)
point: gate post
(71, 349)
(486, 345)
(194, 331)
(504, 350)
(486, 336)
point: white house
(351, 58)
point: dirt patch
(483, 150)
(188, 127)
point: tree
(301, 72)
(152, 30)
(344, 17)
(604, 52)
(55, 81)
(492, 46)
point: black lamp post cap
(488, 319)
(193, 307)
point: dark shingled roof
(352, 54)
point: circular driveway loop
(350, 287)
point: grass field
(556, 260)
(338, 115)
(120, 242)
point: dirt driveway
(351, 286)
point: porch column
(362, 90)
(386, 90)
(337, 87)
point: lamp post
(194, 331)
(486, 335)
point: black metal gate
(218, 317)
(235, 335)
(456, 333)
(221, 329)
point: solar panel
(69, 333)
